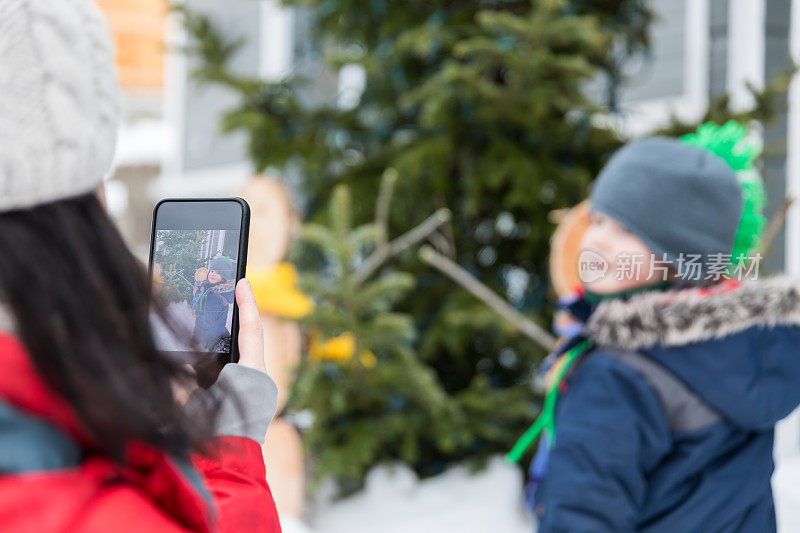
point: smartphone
(198, 251)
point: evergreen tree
(179, 257)
(371, 398)
(481, 108)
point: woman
(92, 436)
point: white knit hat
(59, 100)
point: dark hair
(81, 305)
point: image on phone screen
(195, 254)
(195, 276)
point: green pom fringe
(729, 142)
(753, 221)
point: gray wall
(662, 74)
(776, 59)
(203, 145)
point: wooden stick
(403, 242)
(442, 243)
(455, 272)
(774, 226)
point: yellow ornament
(276, 291)
(368, 359)
(339, 349)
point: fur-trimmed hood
(737, 345)
(674, 318)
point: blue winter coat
(667, 424)
(212, 319)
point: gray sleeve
(247, 400)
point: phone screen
(195, 264)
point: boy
(670, 392)
(216, 299)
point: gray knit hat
(678, 199)
(59, 100)
(224, 266)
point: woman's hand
(245, 401)
(251, 332)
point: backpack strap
(684, 409)
(30, 444)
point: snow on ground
(786, 479)
(786, 488)
(394, 500)
(290, 524)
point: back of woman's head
(80, 305)
(78, 298)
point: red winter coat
(49, 481)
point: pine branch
(382, 206)
(215, 50)
(768, 102)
